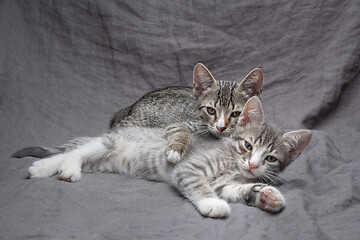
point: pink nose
(220, 129)
(253, 166)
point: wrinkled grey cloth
(67, 66)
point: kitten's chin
(248, 174)
(220, 134)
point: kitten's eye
(211, 111)
(248, 145)
(235, 114)
(271, 159)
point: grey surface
(67, 66)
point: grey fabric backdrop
(67, 66)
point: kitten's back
(159, 108)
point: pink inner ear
(253, 82)
(202, 79)
(243, 121)
(252, 113)
(256, 86)
(297, 141)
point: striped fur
(212, 173)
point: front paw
(213, 207)
(269, 199)
(173, 156)
(175, 152)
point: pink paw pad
(269, 191)
(267, 199)
(66, 179)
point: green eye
(271, 159)
(248, 145)
(235, 114)
(211, 111)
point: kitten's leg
(46, 167)
(260, 195)
(70, 168)
(194, 185)
(178, 136)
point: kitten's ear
(296, 142)
(253, 82)
(252, 113)
(203, 79)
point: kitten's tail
(42, 152)
(37, 152)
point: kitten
(211, 107)
(214, 172)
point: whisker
(272, 182)
(275, 175)
(273, 179)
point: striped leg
(178, 136)
(192, 181)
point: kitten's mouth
(220, 134)
(249, 173)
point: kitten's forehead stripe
(226, 93)
(260, 136)
(271, 146)
(268, 137)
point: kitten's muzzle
(252, 166)
(220, 129)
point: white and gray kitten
(213, 173)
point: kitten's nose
(220, 129)
(252, 166)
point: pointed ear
(203, 79)
(253, 82)
(296, 142)
(252, 113)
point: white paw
(39, 172)
(70, 171)
(213, 207)
(70, 175)
(270, 199)
(46, 167)
(173, 156)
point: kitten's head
(262, 150)
(221, 102)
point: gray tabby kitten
(211, 107)
(213, 172)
